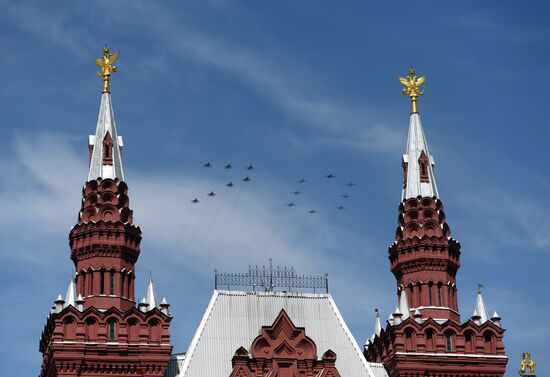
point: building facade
(97, 329)
(425, 335)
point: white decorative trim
(198, 333)
(350, 336)
(471, 355)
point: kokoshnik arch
(97, 329)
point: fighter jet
(250, 167)
(345, 196)
(229, 184)
(195, 201)
(228, 166)
(247, 179)
(349, 184)
(329, 176)
(340, 208)
(301, 180)
(207, 164)
(312, 211)
(211, 193)
(296, 192)
(290, 204)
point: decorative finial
(411, 88)
(526, 362)
(106, 63)
(479, 286)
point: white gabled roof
(234, 319)
(105, 123)
(416, 144)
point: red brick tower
(425, 336)
(97, 330)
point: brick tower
(425, 336)
(97, 330)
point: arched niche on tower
(91, 328)
(489, 342)
(469, 341)
(133, 330)
(410, 338)
(154, 330)
(69, 328)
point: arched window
(469, 339)
(69, 329)
(112, 282)
(488, 343)
(411, 295)
(102, 282)
(409, 340)
(91, 329)
(449, 341)
(154, 331)
(111, 329)
(122, 287)
(430, 293)
(133, 330)
(430, 340)
(439, 298)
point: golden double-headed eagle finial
(526, 362)
(106, 63)
(411, 88)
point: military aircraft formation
(297, 192)
(327, 176)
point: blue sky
(299, 89)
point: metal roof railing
(269, 278)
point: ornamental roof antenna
(106, 146)
(418, 164)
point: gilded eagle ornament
(527, 363)
(106, 63)
(411, 88)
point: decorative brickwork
(283, 350)
(425, 259)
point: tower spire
(418, 164)
(106, 146)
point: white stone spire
(151, 295)
(418, 164)
(377, 324)
(481, 309)
(105, 145)
(403, 304)
(70, 297)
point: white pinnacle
(151, 294)
(403, 304)
(481, 308)
(70, 297)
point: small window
(102, 282)
(111, 282)
(439, 294)
(107, 151)
(122, 277)
(449, 342)
(111, 329)
(430, 294)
